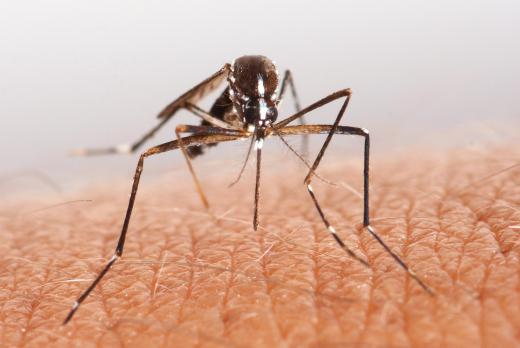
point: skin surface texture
(190, 279)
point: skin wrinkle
(342, 316)
(321, 286)
(410, 206)
(152, 270)
(441, 214)
(479, 219)
(375, 208)
(368, 308)
(440, 314)
(441, 231)
(476, 220)
(268, 287)
(455, 204)
(483, 318)
(353, 218)
(33, 306)
(317, 284)
(509, 311)
(191, 294)
(284, 269)
(189, 286)
(432, 211)
(502, 231)
(401, 341)
(108, 313)
(499, 232)
(371, 280)
(453, 318)
(465, 238)
(407, 283)
(229, 285)
(176, 277)
(485, 218)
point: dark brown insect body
(250, 100)
(247, 108)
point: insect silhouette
(247, 108)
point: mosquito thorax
(253, 81)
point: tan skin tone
(187, 279)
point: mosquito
(247, 108)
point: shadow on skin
(186, 279)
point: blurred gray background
(424, 73)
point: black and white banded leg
(197, 139)
(335, 129)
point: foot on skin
(187, 280)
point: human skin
(188, 278)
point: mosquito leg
(320, 129)
(279, 128)
(328, 99)
(288, 80)
(308, 180)
(331, 229)
(208, 117)
(190, 97)
(344, 93)
(124, 148)
(199, 130)
(257, 182)
(172, 145)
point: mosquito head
(253, 81)
(259, 112)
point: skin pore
(188, 279)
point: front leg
(335, 129)
(169, 146)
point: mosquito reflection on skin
(246, 109)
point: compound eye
(251, 113)
(272, 114)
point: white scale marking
(261, 88)
(263, 109)
(259, 143)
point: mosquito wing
(196, 93)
